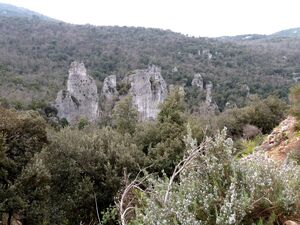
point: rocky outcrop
(198, 81)
(208, 87)
(245, 90)
(148, 90)
(283, 140)
(109, 90)
(80, 100)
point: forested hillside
(131, 149)
(35, 56)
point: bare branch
(135, 184)
(97, 211)
(180, 166)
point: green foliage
(166, 147)
(22, 135)
(216, 188)
(172, 109)
(125, 116)
(36, 55)
(83, 122)
(123, 88)
(295, 100)
(37, 104)
(203, 125)
(109, 216)
(84, 164)
(264, 114)
(34, 188)
(64, 122)
(248, 146)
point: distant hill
(244, 37)
(35, 55)
(7, 10)
(289, 33)
(294, 32)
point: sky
(205, 18)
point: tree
(171, 129)
(22, 135)
(125, 116)
(295, 100)
(84, 165)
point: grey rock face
(245, 90)
(109, 89)
(209, 87)
(148, 90)
(198, 81)
(80, 100)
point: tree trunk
(10, 215)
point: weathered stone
(207, 53)
(80, 100)
(290, 222)
(208, 87)
(198, 81)
(283, 140)
(148, 90)
(109, 90)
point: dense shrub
(22, 135)
(87, 164)
(295, 100)
(216, 188)
(262, 113)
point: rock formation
(80, 100)
(208, 87)
(109, 90)
(198, 81)
(283, 140)
(148, 90)
(245, 90)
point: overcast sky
(193, 17)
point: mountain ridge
(8, 10)
(35, 55)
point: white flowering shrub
(215, 187)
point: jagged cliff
(80, 100)
(148, 90)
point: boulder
(80, 100)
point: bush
(22, 135)
(295, 100)
(216, 188)
(84, 164)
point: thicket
(211, 186)
(65, 175)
